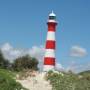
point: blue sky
(23, 25)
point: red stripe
(49, 61)
(52, 26)
(50, 44)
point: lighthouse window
(52, 17)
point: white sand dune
(36, 83)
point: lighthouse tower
(49, 58)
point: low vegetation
(7, 81)
(9, 70)
(25, 62)
(69, 81)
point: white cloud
(37, 52)
(77, 67)
(77, 51)
(59, 67)
(72, 66)
(12, 53)
(6, 47)
(83, 67)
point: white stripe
(48, 68)
(50, 53)
(51, 35)
(52, 21)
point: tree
(25, 62)
(3, 62)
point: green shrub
(68, 81)
(7, 81)
(25, 62)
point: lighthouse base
(47, 68)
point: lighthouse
(49, 58)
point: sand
(36, 83)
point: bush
(68, 81)
(3, 62)
(25, 62)
(7, 82)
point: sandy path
(36, 83)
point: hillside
(69, 81)
(85, 73)
(45, 81)
(7, 81)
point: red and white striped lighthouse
(49, 58)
